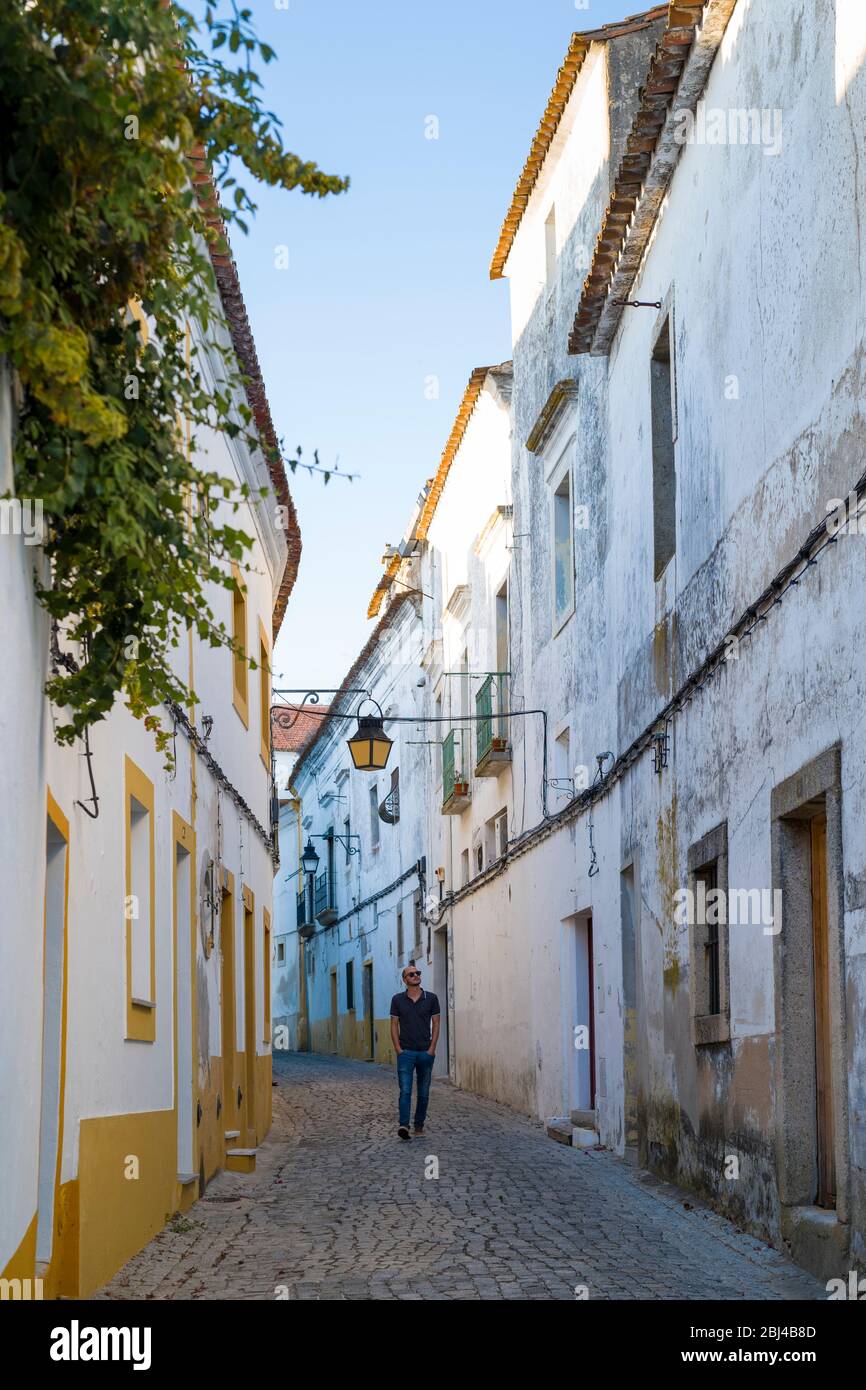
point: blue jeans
(408, 1063)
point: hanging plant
(109, 111)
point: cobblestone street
(339, 1209)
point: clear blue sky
(387, 284)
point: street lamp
(370, 746)
(309, 858)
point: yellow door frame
(249, 1109)
(227, 1015)
(183, 836)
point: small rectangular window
(374, 816)
(502, 629)
(664, 470)
(281, 953)
(464, 868)
(708, 931)
(239, 654)
(347, 830)
(350, 984)
(501, 833)
(563, 551)
(400, 944)
(140, 907)
(709, 878)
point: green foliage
(104, 107)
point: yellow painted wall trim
(265, 695)
(228, 1002)
(183, 835)
(61, 825)
(249, 1064)
(23, 1263)
(266, 959)
(127, 1183)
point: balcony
(306, 925)
(492, 750)
(455, 773)
(326, 899)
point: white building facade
(639, 630)
(352, 925)
(135, 951)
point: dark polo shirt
(415, 1016)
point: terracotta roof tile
(351, 679)
(549, 124)
(306, 721)
(644, 173)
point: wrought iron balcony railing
(304, 912)
(326, 899)
(455, 771)
(491, 730)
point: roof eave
(563, 87)
(676, 80)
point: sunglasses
(413, 974)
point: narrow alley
(339, 1209)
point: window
(265, 694)
(239, 637)
(708, 930)
(501, 833)
(563, 550)
(502, 629)
(663, 435)
(281, 953)
(347, 829)
(496, 836)
(374, 816)
(350, 984)
(399, 933)
(479, 859)
(140, 907)
(550, 248)
(464, 868)
(708, 877)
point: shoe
(419, 1129)
(403, 1132)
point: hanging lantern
(370, 746)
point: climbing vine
(110, 111)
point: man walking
(414, 1034)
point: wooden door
(249, 1106)
(826, 1123)
(227, 950)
